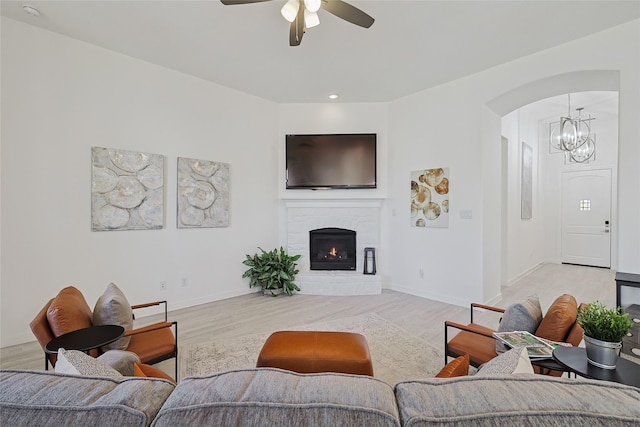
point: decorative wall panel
(203, 193)
(127, 190)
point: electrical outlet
(163, 285)
(184, 282)
(421, 273)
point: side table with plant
(604, 329)
(274, 270)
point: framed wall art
(526, 192)
(127, 190)
(430, 198)
(203, 193)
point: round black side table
(85, 339)
(575, 360)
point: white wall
(437, 128)
(525, 246)
(449, 126)
(335, 118)
(60, 97)
(339, 118)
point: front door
(586, 218)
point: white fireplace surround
(362, 216)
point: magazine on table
(538, 348)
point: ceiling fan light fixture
(290, 10)
(303, 14)
(311, 19)
(312, 5)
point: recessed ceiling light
(333, 96)
(31, 10)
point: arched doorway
(559, 230)
(526, 103)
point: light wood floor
(254, 313)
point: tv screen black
(331, 161)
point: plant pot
(272, 292)
(602, 354)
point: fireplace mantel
(329, 203)
(360, 215)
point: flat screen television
(331, 161)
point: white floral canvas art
(203, 193)
(127, 190)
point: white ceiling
(413, 45)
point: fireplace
(332, 249)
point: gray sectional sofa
(273, 397)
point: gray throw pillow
(514, 361)
(120, 360)
(521, 316)
(112, 308)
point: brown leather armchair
(69, 311)
(558, 324)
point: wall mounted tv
(331, 161)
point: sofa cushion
(456, 368)
(532, 400)
(514, 361)
(559, 319)
(521, 316)
(68, 312)
(75, 362)
(39, 398)
(275, 397)
(112, 308)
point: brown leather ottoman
(317, 351)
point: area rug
(396, 354)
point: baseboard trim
(431, 296)
(522, 275)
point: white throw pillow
(514, 361)
(75, 362)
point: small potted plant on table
(604, 329)
(275, 271)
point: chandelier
(572, 135)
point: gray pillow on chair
(112, 308)
(521, 316)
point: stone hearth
(362, 216)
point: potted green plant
(604, 329)
(275, 271)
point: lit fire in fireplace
(332, 249)
(333, 254)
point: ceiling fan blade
(233, 2)
(296, 30)
(347, 12)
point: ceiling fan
(303, 14)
